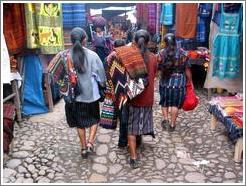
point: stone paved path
(46, 150)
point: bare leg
(165, 112)
(132, 146)
(82, 137)
(174, 115)
(92, 134)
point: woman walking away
(140, 118)
(79, 72)
(175, 72)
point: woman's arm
(188, 75)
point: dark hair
(142, 39)
(119, 42)
(169, 63)
(78, 53)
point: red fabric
(8, 125)
(191, 100)
(146, 98)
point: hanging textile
(152, 9)
(167, 14)
(186, 20)
(74, 15)
(44, 27)
(142, 14)
(34, 102)
(158, 12)
(14, 26)
(227, 46)
(231, 85)
(163, 32)
(203, 21)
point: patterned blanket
(132, 60)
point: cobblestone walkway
(46, 150)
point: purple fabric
(152, 16)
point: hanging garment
(14, 27)
(152, 8)
(226, 47)
(231, 85)
(201, 30)
(74, 15)
(142, 14)
(44, 27)
(167, 14)
(5, 62)
(186, 20)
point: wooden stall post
(16, 100)
(238, 150)
(48, 91)
(213, 122)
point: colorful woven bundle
(131, 58)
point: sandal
(90, 148)
(171, 128)
(134, 163)
(165, 124)
(84, 153)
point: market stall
(228, 110)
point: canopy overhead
(108, 14)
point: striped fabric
(74, 15)
(82, 115)
(152, 8)
(142, 13)
(132, 60)
(140, 121)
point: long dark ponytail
(142, 39)
(78, 54)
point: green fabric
(44, 27)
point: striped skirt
(172, 97)
(140, 121)
(82, 115)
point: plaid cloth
(201, 30)
(132, 60)
(142, 13)
(152, 8)
(74, 15)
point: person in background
(79, 85)
(175, 71)
(140, 114)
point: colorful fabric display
(14, 27)
(142, 14)
(205, 9)
(74, 15)
(44, 27)
(167, 14)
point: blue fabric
(33, 100)
(167, 14)
(201, 30)
(74, 15)
(205, 9)
(226, 49)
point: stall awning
(105, 5)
